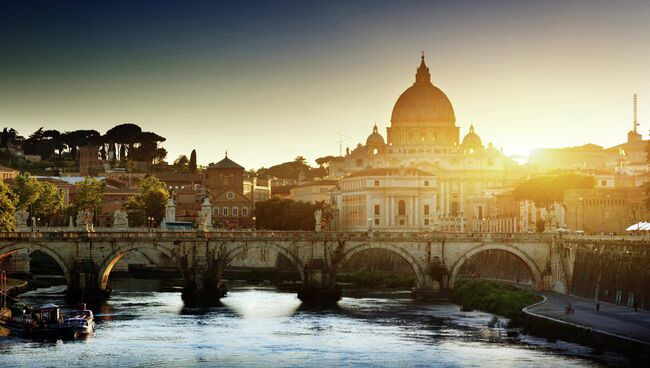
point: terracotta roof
(227, 163)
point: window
(426, 222)
(401, 222)
(215, 211)
(235, 211)
(401, 208)
(376, 221)
(603, 183)
(426, 210)
(225, 211)
(376, 183)
(426, 183)
(376, 209)
(244, 211)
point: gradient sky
(270, 80)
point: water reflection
(261, 327)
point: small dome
(375, 139)
(472, 139)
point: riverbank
(544, 315)
(494, 297)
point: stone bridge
(88, 258)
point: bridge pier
(84, 283)
(319, 285)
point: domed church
(423, 140)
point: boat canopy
(49, 306)
(639, 226)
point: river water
(259, 326)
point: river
(260, 326)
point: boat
(45, 323)
(80, 322)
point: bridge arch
(111, 260)
(421, 277)
(535, 272)
(12, 248)
(231, 253)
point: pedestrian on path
(597, 307)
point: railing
(418, 236)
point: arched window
(401, 207)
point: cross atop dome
(422, 75)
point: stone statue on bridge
(85, 221)
(204, 219)
(120, 219)
(21, 217)
(318, 215)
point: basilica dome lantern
(423, 115)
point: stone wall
(616, 271)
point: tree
(26, 190)
(4, 138)
(50, 201)
(192, 163)
(90, 195)
(122, 135)
(548, 189)
(7, 209)
(285, 214)
(181, 163)
(148, 202)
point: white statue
(170, 211)
(21, 217)
(204, 220)
(120, 219)
(85, 221)
(318, 214)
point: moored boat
(80, 322)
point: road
(611, 318)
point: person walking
(597, 307)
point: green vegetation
(41, 198)
(377, 278)
(7, 208)
(292, 170)
(148, 202)
(286, 214)
(90, 195)
(494, 297)
(548, 189)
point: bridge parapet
(425, 236)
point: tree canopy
(548, 189)
(41, 199)
(7, 209)
(90, 195)
(285, 214)
(148, 202)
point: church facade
(422, 145)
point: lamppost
(254, 223)
(150, 223)
(576, 216)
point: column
(392, 210)
(416, 212)
(384, 213)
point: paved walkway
(611, 318)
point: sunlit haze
(281, 81)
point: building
(423, 135)
(225, 183)
(314, 191)
(386, 198)
(605, 210)
(7, 173)
(89, 162)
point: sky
(271, 80)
